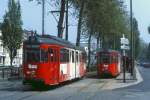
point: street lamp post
(132, 41)
(43, 17)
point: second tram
(108, 63)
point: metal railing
(10, 72)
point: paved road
(86, 89)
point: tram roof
(49, 39)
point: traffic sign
(125, 47)
(124, 41)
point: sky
(31, 16)
(141, 13)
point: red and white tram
(51, 60)
(109, 63)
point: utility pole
(43, 17)
(63, 11)
(66, 37)
(132, 40)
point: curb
(117, 85)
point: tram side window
(64, 55)
(67, 55)
(61, 55)
(77, 60)
(80, 57)
(114, 59)
(83, 57)
(44, 56)
(73, 56)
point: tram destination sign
(32, 46)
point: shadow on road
(93, 75)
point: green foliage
(107, 17)
(136, 38)
(142, 50)
(148, 52)
(149, 29)
(12, 28)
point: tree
(136, 38)
(80, 22)
(61, 11)
(143, 48)
(149, 29)
(107, 22)
(148, 52)
(101, 22)
(12, 29)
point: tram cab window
(51, 52)
(32, 55)
(105, 58)
(44, 55)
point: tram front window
(32, 55)
(105, 58)
(44, 55)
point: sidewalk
(105, 84)
(118, 82)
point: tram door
(54, 64)
(77, 65)
(72, 64)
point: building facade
(4, 55)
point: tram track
(12, 95)
(28, 96)
(16, 89)
(94, 94)
(83, 89)
(79, 90)
(87, 85)
(67, 98)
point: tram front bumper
(33, 81)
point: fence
(10, 72)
